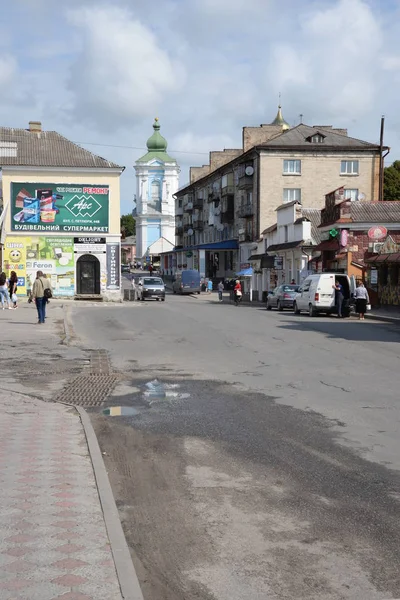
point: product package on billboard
(59, 207)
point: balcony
(245, 182)
(187, 226)
(179, 230)
(244, 237)
(198, 225)
(198, 203)
(179, 211)
(214, 195)
(227, 191)
(189, 206)
(246, 210)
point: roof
(269, 229)
(287, 204)
(21, 147)
(129, 241)
(314, 216)
(328, 245)
(285, 246)
(375, 212)
(298, 137)
(157, 147)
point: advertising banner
(52, 255)
(113, 266)
(59, 207)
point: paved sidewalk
(53, 539)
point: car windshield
(153, 281)
(290, 288)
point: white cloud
(121, 71)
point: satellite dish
(190, 232)
(361, 196)
(249, 171)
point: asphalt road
(268, 468)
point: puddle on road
(156, 390)
(120, 411)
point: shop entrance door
(88, 275)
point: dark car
(282, 297)
(125, 269)
(150, 287)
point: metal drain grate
(88, 390)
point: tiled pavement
(53, 540)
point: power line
(10, 137)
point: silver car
(150, 287)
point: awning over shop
(328, 245)
(245, 273)
(384, 258)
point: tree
(128, 225)
(391, 187)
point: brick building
(363, 239)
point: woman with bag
(41, 292)
(4, 295)
(237, 290)
(362, 299)
(12, 288)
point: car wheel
(142, 298)
(162, 299)
(311, 311)
(269, 307)
(158, 299)
(174, 291)
(198, 292)
(279, 306)
(295, 309)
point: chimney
(35, 126)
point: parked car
(187, 282)
(317, 294)
(125, 269)
(282, 297)
(150, 287)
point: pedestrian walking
(151, 270)
(362, 299)
(209, 286)
(237, 292)
(220, 290)
(13, 288)
(339, 297)
(41, 292)
(4, 295)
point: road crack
(337, 387)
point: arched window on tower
(156, 195)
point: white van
(317, 294)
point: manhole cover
(88, 390)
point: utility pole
(381, 161)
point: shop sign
(113, 266)
(96, 245)
(52, 255)
(189, 254)
(58, 207)
(278, 263)
(378, 232)
(344, 237)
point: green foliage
(391, 187)
(128, 225)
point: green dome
(157, 143)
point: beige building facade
(60, 214)
(234, 198)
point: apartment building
(221, 213)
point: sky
(99, 72)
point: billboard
(52, 255)
(53, 207)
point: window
(349, 167)
(317, 138)
(292, 167)
(285, 233)
(291, 194)
(180, 202)
(351, 195)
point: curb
(128, 580)
(383, 319)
